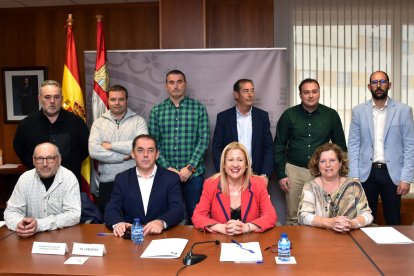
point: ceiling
(46, 3)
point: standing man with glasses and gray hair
(300, 130)
(44, 198)
(56, 125)
(381, 148)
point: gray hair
(50, 82)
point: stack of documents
(386, 235)
(249, 252)
(165, 248)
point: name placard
(50, 248)
(88, 249)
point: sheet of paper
(76, 260)
(51, 248)
(291, 261)
(231, 252)
(165, 248)
(386, 235)
(9, 166)
(88, 249)
(2, 223)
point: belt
(377, 165)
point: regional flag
(100, 88)
(72, 94)
(101, 77)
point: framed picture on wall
(21, 87)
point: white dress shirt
(244, 130)
(379, 115)
(145, 186)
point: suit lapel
(369, 118)
(223, 201)
(246, 202)
(233, 124)
(154, 190)
(390, 115)
(255, 122)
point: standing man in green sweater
(300, 130)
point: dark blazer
(262, 143)
(165, 202)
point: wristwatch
(191, 168)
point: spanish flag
(72, 95)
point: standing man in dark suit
(147, 191)
(248, 125)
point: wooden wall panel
(240, 23)
(37, 37)
(182, 24)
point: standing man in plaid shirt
(180, 125)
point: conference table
(4, 232)
(390, 259)
(317, 252)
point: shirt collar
(182, 102)
(374, 105)
(118, 121)
(59, 118)
(248, 113)
(315, 111)
(152, 174)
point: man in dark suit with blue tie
(147, 191)
(248, 125)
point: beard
(383, 95)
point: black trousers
(105, 191)
(379, 183)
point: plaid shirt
(182, 133)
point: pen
(105, 234)
(241, 246)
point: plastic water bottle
(283, 248)
(137, 232)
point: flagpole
(69, 20)
(73, 96)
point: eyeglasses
(379, 82)
(49, 159)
